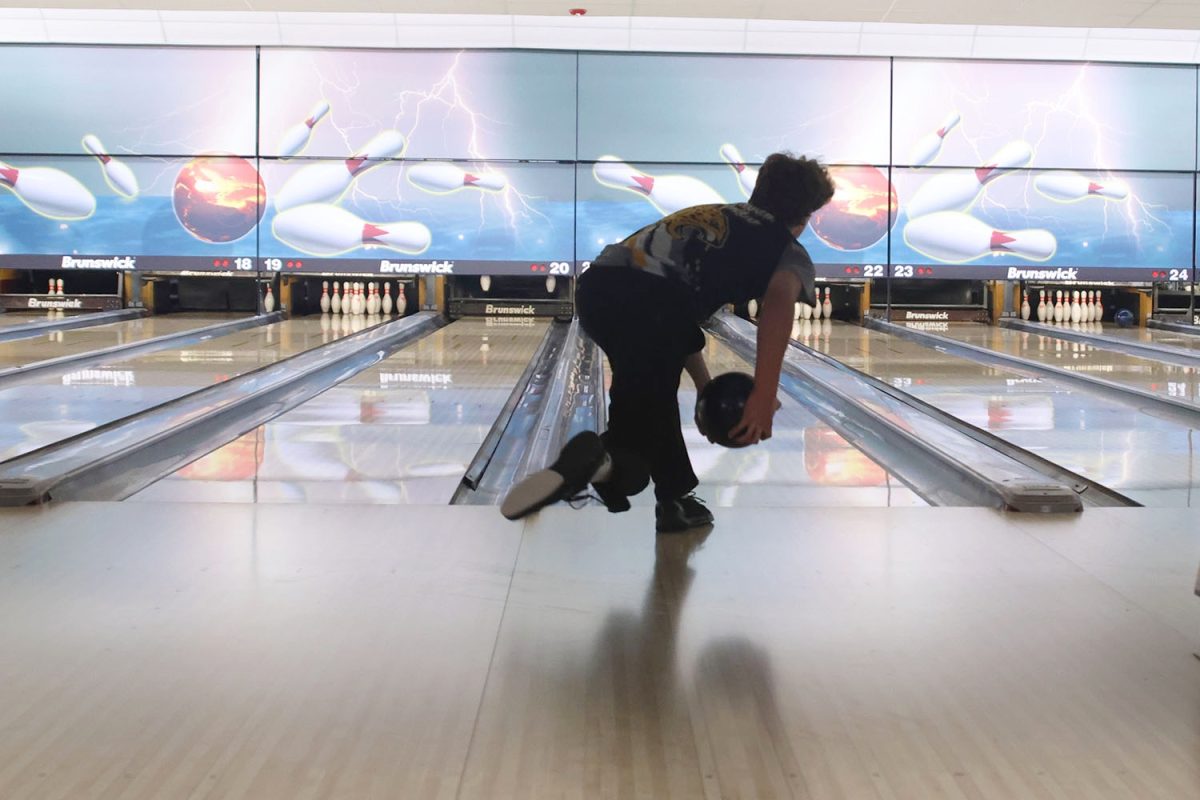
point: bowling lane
(804, 463)
(1150, 336)
(403, 432)
(25, 317)
(55, 344)
(54, 407)
(1171, 380)
(1155, 462)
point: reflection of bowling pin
(1070, 187)
(955, 237)
(119, 176)
(827, 306)
(1025, 310)
(928, 146)
(318, 183)
(551, 284)
(955, 191)
(325, 230)
(269, 301)
(50, 192)
(485, 282)
(747, 176)
(387, 298)
(441, 177)
(668, 193)
(296, 138)
(324, 296)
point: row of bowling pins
(56, 287)
(1081, 306)
(823, 308)
(359, 299)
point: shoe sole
(532, 494)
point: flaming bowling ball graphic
(219, 198)
(858, 215)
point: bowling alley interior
(294, 303)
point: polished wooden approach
(174, 651)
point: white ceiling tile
(1160, 51)
(192, 27)
(1054, 48)
(910, 44)
(335, 18)
(104, 31)
(600, 33)
(333, 34)
(23, 29)
(845, 42)
(492, 34)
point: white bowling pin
(326, 182)
(401, 300)
(955, 237)
(360, 302)
(551, 284)
(326, 230)
(827, 306)
(377, 301)
(387, 298)
(667, 193)
(119, 176)
(806, 311)
(50, 288)
(1071, 187)
(485, 282)
(1075, 312)
(1058, 307)
(928, 146)
(1043, 313)
(796, 312)
(48, 191)
(269, 300)
(59, 287)
(441, 177)
(1091, 309)
(335, 302)
(296, 138)
(1025, 309)
(752, 309)
(957, 190)
(324, 297)
(746, 176)
(1099, 308)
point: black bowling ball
(720, 405)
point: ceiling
(1179, 14)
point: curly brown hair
(792, 187)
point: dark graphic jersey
(718, 253)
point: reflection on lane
(1151, 460)
(805, 463)
(55, 407)
(1170, 380)
(54, 344)
(401, 432)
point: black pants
(641, 322)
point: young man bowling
(643, 300)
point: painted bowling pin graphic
(954, 237)
(956, 191)
(747, 176)
(324, 297)
(667, 193)
(296, 138)
(119, 176)
(325, 230)
(441, 177)
(48, 191)
(1071, 187)
(928, 146)
(319, 183)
